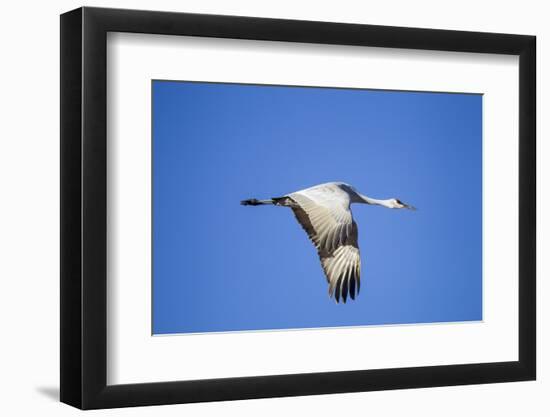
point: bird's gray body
(325, 214)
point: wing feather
(330, 226)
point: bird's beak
(409, 207)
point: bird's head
(398, 204)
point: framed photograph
(259, 208)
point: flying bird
(325, 214)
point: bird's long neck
(374, 201)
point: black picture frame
(84, 207)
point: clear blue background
(220, 266)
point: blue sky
(220, 266)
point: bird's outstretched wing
(330, 226)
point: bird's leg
(255, 202)
(276, 201)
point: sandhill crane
(324, 213)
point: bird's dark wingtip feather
(337, 290)
(344, 290)
(352, 288)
